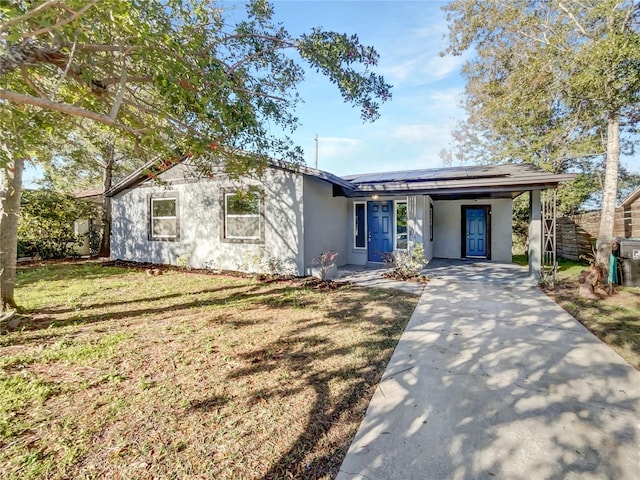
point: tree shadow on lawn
(330, 425)
(253, 296)
(624, 332)
(67, 271)
(60, 309)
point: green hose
(613, 270)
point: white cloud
(421, 132)
(336, 147)
(422, 69)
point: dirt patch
(404, 278)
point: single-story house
(291, 214)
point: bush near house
(405, 264)
(45, 227)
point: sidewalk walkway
(493, 380)
(372, 277)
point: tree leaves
(177, 73)
(546, 78)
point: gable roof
(631, 198)
(455, 182)
(155, 167)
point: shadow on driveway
(492, 379)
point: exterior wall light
(375, 197)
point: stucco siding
(325, 221)
(448, 223)
(200, 205)
(415, 220)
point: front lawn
(119, 374)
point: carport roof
(457, 182)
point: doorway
(380, 232)
(476, 231)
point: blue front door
(380, 234)
(476, 232)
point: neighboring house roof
(93, 192)
(631, 198)
(456, 182)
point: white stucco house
(294, 213)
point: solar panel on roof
(453, 173)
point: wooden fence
(576, 234)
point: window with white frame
(401, 225)
(360, 225)
(164, 221)
(243, 216)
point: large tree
(177, 77)
(553, 83)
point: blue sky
(415, 125)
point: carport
(454, 213)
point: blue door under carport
(380, 234)
(475, 232)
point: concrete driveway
(491, 379)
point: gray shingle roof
(483, 179)
(441, 182)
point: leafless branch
(234, 67)
(29, 82)
(65, 108)
(283, 43)
(66, 69)
(121, 88)
(574, 20)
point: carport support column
(535, 233)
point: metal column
(549, 260)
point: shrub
(325, 263)
(46, 222)
(407, 264)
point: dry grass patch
(122, 375)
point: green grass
(566, 267)
(118, 374)
(570, 268)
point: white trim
(395, 224)
(169, 217)
(241, 215)
(355, 225)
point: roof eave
(632, 197)
(141, 175)
(423, 188)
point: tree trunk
(105, 241)
(607, 217)
(10, 192)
